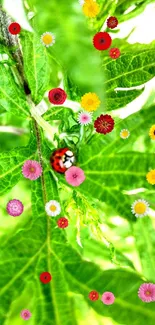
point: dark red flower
(112, 22)
(102, 41)
(104, 124)
(93, 295)
(57, 96)
(14, 28)
(114, 53)
(45, 277)
(62, 222)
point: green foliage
(94, 252)
(36, 66)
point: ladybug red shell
(62, 159)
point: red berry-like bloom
(114, 53)
(102, 41)
(104, 124)
(62, 222)
(45, 277)
(14, 28)
(57, 96)
(93, 295)
(112, 22)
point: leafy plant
(83, 257)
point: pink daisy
(146, 292)
(25, 314)
(74, 176)
(31, 169)
(84, 118)
(15, 208)
(108, 298)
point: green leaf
(129, 70)
(35, 65)
(145, 242)
(58, 113)
(11, 166)
(12, 98)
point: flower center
(47, 39)
(102, 40)
(108, 298)
(56, 96)
(25, 314)
(140, 208)
(124, 133)
(32, 169)
(105, 124)
(74, 176)
(154, 132)
(148, 293)
(90, 101)
(53, 208)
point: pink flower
(15, 208)
(74, 176)
(31, 169)
(84, 118)
(146, 292)
(108, 298)
(25, 314)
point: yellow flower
(90, 102)
(47, 39)
(140, 208)
(90, 8)
(124, 134)
(152, 132)
(151, 177)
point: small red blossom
(57, 96)
(104, 124)
(93, 295)
(112, 22)
(45, 277)
(14, 28)
(102, 41)
(114, 53)
(62, 222)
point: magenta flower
(146, 292)
(74, 176)
(84, 118)
(108, 298)
(25, 314)
(15, 208)
(31, 169)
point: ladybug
(62, 159)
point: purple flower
(108, 298)
(31, 169)
(74, 176)
(15, 208)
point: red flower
(102, 41)
(62, 222)
(114, 53)
(14, 28)
(112, 22)
(93, 295)
(45, 277)
(104, 124)
(57, 96)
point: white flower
(140, 208)
(52, 208)
(81, 2)
(47, 39)
(124, 134)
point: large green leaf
(12, 98)
(145, 242)
(129, 70)
(36, 66)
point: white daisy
(124, 134)
(47, 39)
(140, 208)
(52, 208)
